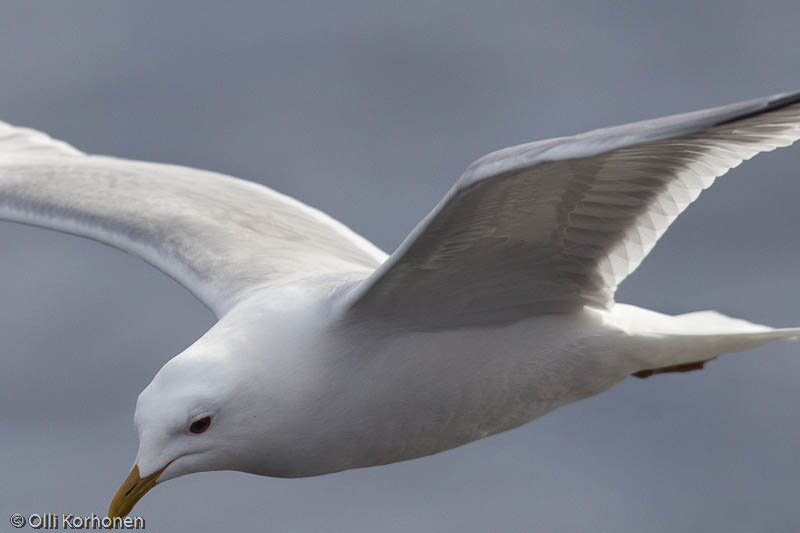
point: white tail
(684, 342)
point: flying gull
(330, 355)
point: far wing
(219, 236)
(552, 226)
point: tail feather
(683, 343)
(714, 323)
(730, 334)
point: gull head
(229, 402)
(198, 414)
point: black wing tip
(768, 104)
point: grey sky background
(370, 111)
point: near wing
(555, 225)
(219, 236)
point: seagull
(329, 354)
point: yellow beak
(131, 491)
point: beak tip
(131, 491)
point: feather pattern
(556, 225)
(221, 237)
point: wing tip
(16, 140)
(769, 104)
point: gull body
(335, 394)
(330, 354)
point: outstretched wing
(219, 236)
(555, 225)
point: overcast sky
(370, 113)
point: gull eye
(200, 425)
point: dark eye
(199, 426)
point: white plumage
(496, 309)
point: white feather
(221, 237)
(555, 225)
